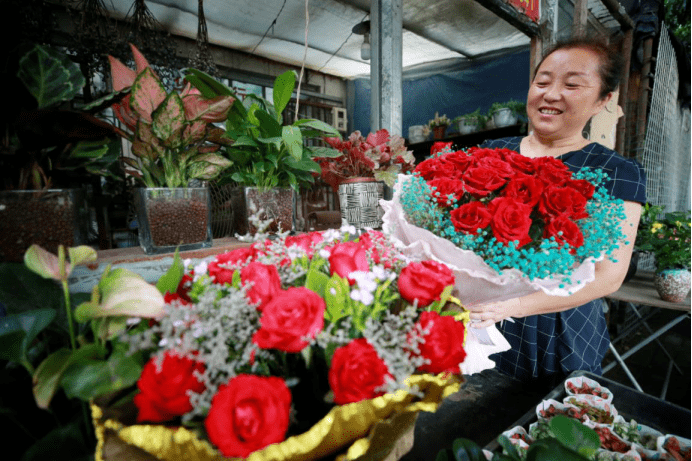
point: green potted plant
(471, 122)
(269, 159)
(45, 138)
(666, 236)
(438, 125)
(174, 145)
(506, 113)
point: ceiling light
(363, 29)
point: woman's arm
(609, 277)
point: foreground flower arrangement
(527, 218)
(258, 344)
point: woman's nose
(552, 93)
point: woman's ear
(604, 102)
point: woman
(552, 336)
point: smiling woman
(553, 336)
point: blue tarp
(456, 90)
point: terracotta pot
(439, 132)
(359, 200)
(673, 285)
(170, 218)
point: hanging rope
(305, 55)
(203, 59)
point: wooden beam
(626, 50)
(579, 18)
(619, 13)
(512, 16)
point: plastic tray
(653, 412)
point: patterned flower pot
(673, 285)
(276, 206)
(171, 218)
(47, 218)
(468, 125)
(359, 200)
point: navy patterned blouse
(555, 344)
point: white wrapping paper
(476, 282)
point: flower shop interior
(272, 93)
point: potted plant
(439, 125)
(506, 113)
(173, 142)
(360, 172)
(667, 237)
(470, 123)
(269, 159)
(44, 139)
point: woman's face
(564, 94)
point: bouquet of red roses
(259, 343)
(506, 223)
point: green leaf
(64, 443)
(90, 149)
(48, 375)
(574, 435)
(168, 121)
(43, 263)
(17, 331)
(324, 152)
(268, 125)
(316, 281)
(89, 378)
(168, 282)
(50, 76)
(319, 125)
(206, 84)
(508, 447)
(550, 449)
(293, 139)
(336, 294)
(467, 450)
(147, 94)
(283, 89)
(81, 255)
(442, 456)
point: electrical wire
(269, 28)
(342, 45)
(305, 55)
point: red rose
(552, 171)
(428, 168)
(347, 257)
(563, 200)
(443, 188)
(265, 282)
(459, 161)
(470, 217)
(479, 153)
(524, 189)
(439, 146)
(511, 220)
(443, 344)
(289, 317)
(247, 414)
(565, 231)
(518, 162)
(584, 187)
(501, 167)
(163, 389)
(356, 372)
(221, 269)
(480, 181)
(424, 281)
(305, 241)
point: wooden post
(626, 50)
(581, 13)
(644, 90)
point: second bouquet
(508, 225)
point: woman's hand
(484, 315)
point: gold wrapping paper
(371, 430)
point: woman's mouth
(549, 111)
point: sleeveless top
(558, 343)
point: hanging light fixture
(363, 29)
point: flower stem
(68, 310)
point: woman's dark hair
(611, 61)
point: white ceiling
(434, 30)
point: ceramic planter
(170, 218)
(504, 117)
(47, 218)
(468, 125)
(415, 134)
(275, 205)
(359, 200)
(672, 285)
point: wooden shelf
(421, 150)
